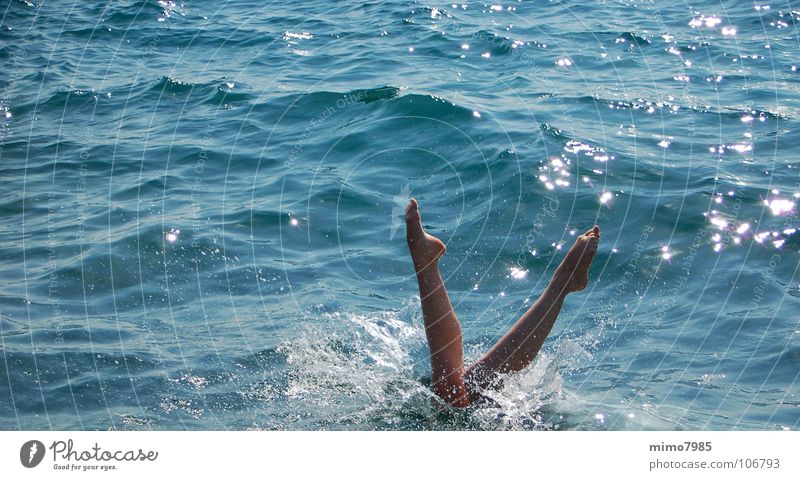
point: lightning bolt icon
(34, 449)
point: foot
(425, 249)
(573, 273)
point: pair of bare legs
(460, 386)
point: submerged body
(458, 385)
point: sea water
(202, 210)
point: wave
(9, 327)
(340, 99)
(385, 102)
(374, 94)
(218, 92)
(224, 93)
(645, 104)
(125, 14)
(632, 39)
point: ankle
(559, 284)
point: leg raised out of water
(517, 348)
(441, 325)
(451, 381)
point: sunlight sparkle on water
(557, 166)
(702, 20)
(719, 223)
(517, 273)
(289, 36)
(779, 206)
(172, 235)
(600, 418)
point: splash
(371, 371)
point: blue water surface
(202, 210)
